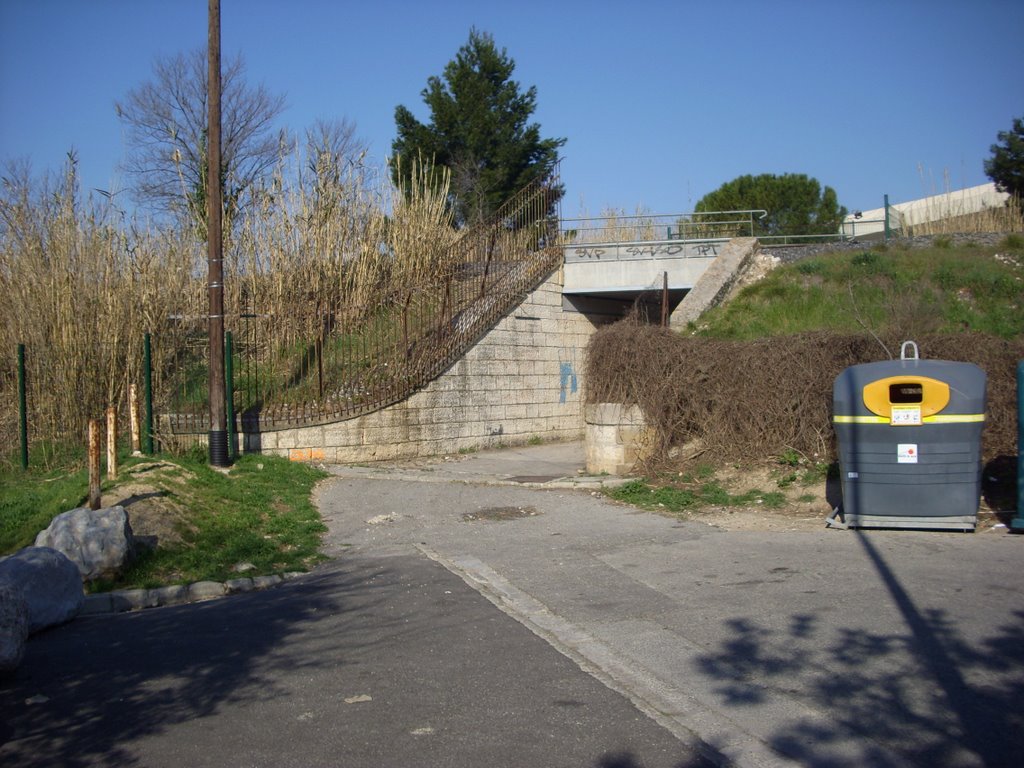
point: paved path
(624, 639)
(382, 661)
(825, 648)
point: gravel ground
(790, 254)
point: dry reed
(81, 283)
(1005, 218)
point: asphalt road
(465, 624)
(824, 647)
(381, 661)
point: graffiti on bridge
(589, 253)
(653, 251)
(639, 251)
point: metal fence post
(22, 407)
(886, 198)
(1017, 523)
(147, 382)
(229, 394)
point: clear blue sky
(661, 102)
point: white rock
(99, 542)
(173, 595)
(234, 586)
(49, 583)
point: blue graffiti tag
(566, 379)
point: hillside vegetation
(753, 379)
(886, 290)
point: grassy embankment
(259, 512)
(942, 289)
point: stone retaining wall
(520, 382)
(616, 436)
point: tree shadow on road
(88, 688)
(628, 760)
(923, 693)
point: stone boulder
(47, 581)
(99, 542)
(13, 627)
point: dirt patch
(804, 517)
(810, 497)
(157, 519)
(500, 513)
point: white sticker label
(906, 453)
(852, 475)
(905, 416)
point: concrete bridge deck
(634, 267)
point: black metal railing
(361, 358)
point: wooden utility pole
(218, 436)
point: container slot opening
(905, 392)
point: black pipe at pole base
(219, 448)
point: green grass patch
(945, 288)
(30, 500)
(259, 512)
(690, 497)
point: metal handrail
(676, 226)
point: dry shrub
(1005, 218)
(749, 400)
(615, 225)
(420, 234)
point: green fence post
(1017, 523)
(22, 407)
(886, 197)
(147, 379)
(229, 394)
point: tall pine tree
(1006, 166)
(479, 129)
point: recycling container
(909, 435)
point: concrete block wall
(522, 380)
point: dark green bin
(909, 435)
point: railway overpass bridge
(609, 278)
(652, 262)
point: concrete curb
(125, 600)
(715, 736)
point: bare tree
(165, 120)
(332, 145)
